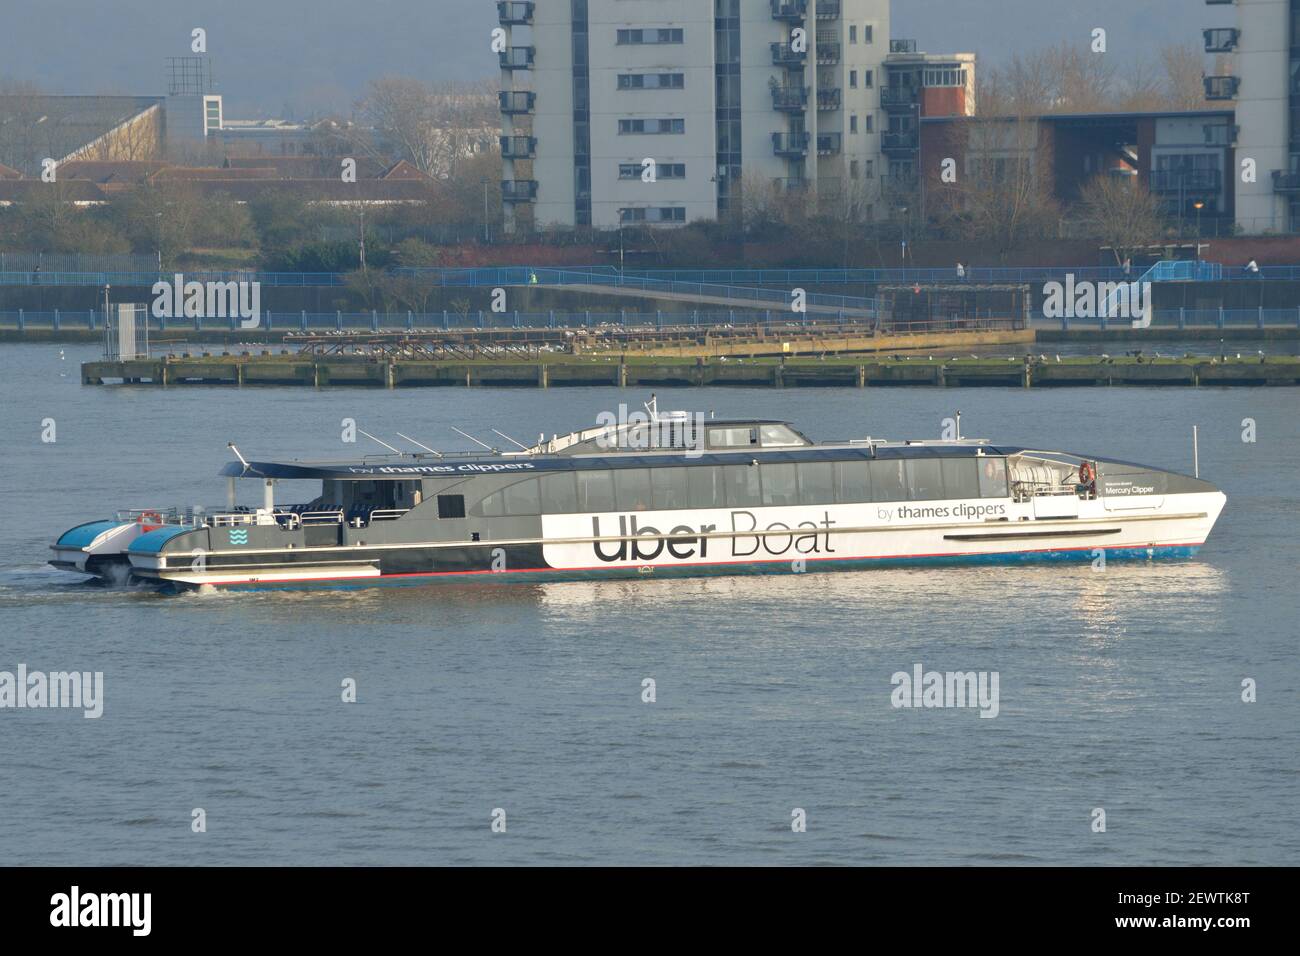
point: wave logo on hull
(238, 536)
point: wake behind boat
(654, 495)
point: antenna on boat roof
(472, 438)
(417, 444)
(652, 407)
(511, 440)
(959, 424)
(381, 442)
(242, 460)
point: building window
(869, 168)
(647, 36)
(853, 169)
(853, 33)
(651, 81)
(652, 126)
(652, 214)
(945, 77)
(866, 33)
(662, 170)
(867, 79)
(853, 79)
(853, 122)
(869, 122)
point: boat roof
(399, 467)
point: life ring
(1086, 474)
(150, 517)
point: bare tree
(1184, 68)
(1122, 214)
(433, 128)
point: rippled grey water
(1119, 690)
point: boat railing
(153, 516)
(233, 519)
(387, 514)
(320, 517)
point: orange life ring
(145, 517)
(1086, 474)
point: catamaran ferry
(659, 495)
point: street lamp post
(486, 237)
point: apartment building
(620, 112)
(1264, 80)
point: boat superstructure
(671, 495)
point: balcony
(1221, 87)
(1284, 182)
(791, 99)
(1219, 3)
(517, 58)
(791, 11)
(898, 142)
(828, 144)
(1221, 134)
(902, 46)
(515, 103)
(515, 14)
(790, 145)
(782, 55)
(1186, 180)
(828, 52)
(828, 98)
(899, 97)
(518, 190)
(1223, 40)
(518, 147)
(828, 9)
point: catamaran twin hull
(580, 507)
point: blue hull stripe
(723, 570)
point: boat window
(632, 489)
(887, 483)
(780, 485)
(924, 479)
(993, 477)
(961, 478)
(451, 506)
(742, 485)
(816, 483)
(522, 498)
(854, 481)
(559, 493)
(493, 506)
(670, 488)
(596, 491)
(704, 487)
(778, 435)
(733, 437)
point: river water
(1119, 690)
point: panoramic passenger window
(733, 437)
(704, 487)
(669, 488)
(596, 491)
(742, 485)
(993, 477)
(816, 483)
(522, 498)
(632, 489)
(780, 486)
(778, 435)
(961, 478)
(924, 479)
(887, 483)
(451, 506)
(854, 481)
(559, 494)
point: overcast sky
(297, 58)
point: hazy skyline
(295, 58)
